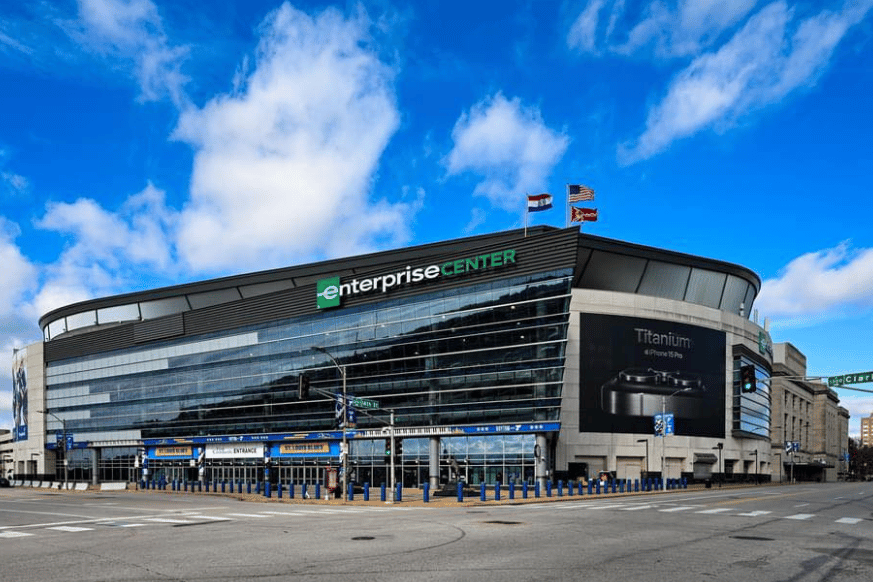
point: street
(805, 532)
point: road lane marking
(754, 513)
(258, 515)
(166, 520)
(680, 508)
(800, 516)
(71, 528)
(719, 510)
(14, 534)
(850, 520)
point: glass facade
(492, 352)
(751, 409)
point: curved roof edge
(293, 276)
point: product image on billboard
(632, 369)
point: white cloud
(583, 31)
(668, 29)
(757, 67)
(19, 275)
(133, 31)
(109, 249)
(285, 165)
(509, 146)
(819, 283)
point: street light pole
(64, 429)
(345, 419)
(664, 432)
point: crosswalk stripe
(635, 508)
(850, 520)
(800, 516)
(754, 513)
(258, 515)
(719, 510)
(14, 534)
(71, 528)
(680, 508)
(166, 520)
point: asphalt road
(804, 532)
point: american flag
(578, 193)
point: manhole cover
(363, 538)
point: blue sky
(146, 143)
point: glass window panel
(201, 300)
(57, 327)
(80, 320)
(613, 272)
(665, 280)
(162, 307)
(118, 314)
(705, 287)
(735, 296)
(264, 288)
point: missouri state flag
(537, 202)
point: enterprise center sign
(330, 291)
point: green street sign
(859, 378)
(364, 403)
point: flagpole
(567, 208)
(526, 212)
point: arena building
(524, 355)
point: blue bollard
(399, 496)
(636, 485)
(537, 490)
(426, 493)
(351, 489)
(560, 488)
(497, 491)
(590, 487)
(621, 486)
(279, 490)
(597, 487)
(173, 488)
(366, 491)
(581, 488)
(185, 487)
(382, 487)
(684, 482)
(570, 488)
(318, 490)
(524, 490)
(215, 486)
(200, 487)
(460, 491)
(267, 485)
(224, 486)
(291, 490)
(614, 486)
(239, 485)
(548, 488)
(512, 489)
(303, 491)
(258, 488)
(482, 492)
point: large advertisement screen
(633, 368)
(19, 395)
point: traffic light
(398, 446)
(303, 387)
(748, 381)
(387, 447)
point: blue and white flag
(537, 202)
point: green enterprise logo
(328, 292)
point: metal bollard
(383, 488)
(426, 493)
(291, 490)
(482, 492)
(581, 490)
(512, 489)
(614, 486)
(570, 488)
(199, 486)
(399, 496)
(548, 488)
(524, 490)
(560, 488)
(537, 490)
(366, 491)
(318, 490)
(267, 489)
(497, 491)
(279, 490)
(590, 487)
(258, 488)
(303, 491)
(460, 492)
(351, 491)
(597, 487)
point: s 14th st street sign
(850, 379)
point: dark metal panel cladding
(544, 251)
(96, 342)
(161, 328)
